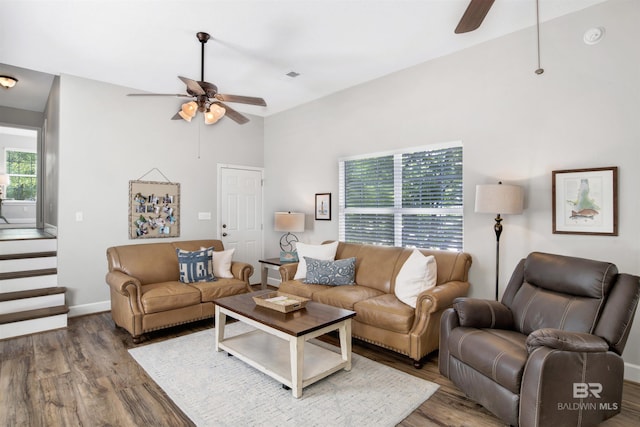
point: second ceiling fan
(473, 16)
(206, 98)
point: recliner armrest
(565, 341)
(482, 313)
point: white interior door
(240, 218)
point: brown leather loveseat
(146, 293)
(550, 353)
(381, 318)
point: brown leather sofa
(550, 353)
(146, 293)
(381, 318)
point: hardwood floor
(84, 376)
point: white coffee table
(279, 345)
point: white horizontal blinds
(411, 198)
(369, 183)
(369, 200)
(432, 199)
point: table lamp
(291, 222)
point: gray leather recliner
(550, 352)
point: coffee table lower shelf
(271, 355)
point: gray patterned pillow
(339, 272)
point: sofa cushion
(345, 296)
(385, 312)
(220, 288)
(157, 297)
(335, 273)
(301, 289)
(194, 266)
(324, 252)
(496, 353)
(418, 273)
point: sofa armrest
(242, 271)
(123, 283)
(566, 341)
(288, 271)
(482, 313)
(442, 296)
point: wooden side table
(269, 264)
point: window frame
(11, 175)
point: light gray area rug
(216, 390)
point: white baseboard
(84, 309)
(632, 372)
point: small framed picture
(323, 206)
(585, 201)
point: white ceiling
(333, 44)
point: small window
(408, 198)
(21, 166)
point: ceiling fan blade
(193, 86)
(177, 116)
(233, 114)
(474, 15)
(252, 100)
(160, 94)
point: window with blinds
(407, 198)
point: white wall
(107, 139)
(516, 127)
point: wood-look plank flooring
(84, 376)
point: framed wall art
(154, 209)
(323, 206)
(585, 201)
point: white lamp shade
(291, 222)
(4, 179)
(214, 114)
(499, 199)
(188, 110)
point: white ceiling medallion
(593, 35)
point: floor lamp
(499, 199)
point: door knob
(224, 234)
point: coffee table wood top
(296, 323)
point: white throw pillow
(418, 274)
(222, 263)
(323, 252)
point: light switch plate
(204, 215)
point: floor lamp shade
(499, 199)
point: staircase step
(32, 293)
(28, 273)
(26, 246)
(26, 255)
(33, 314)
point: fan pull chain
(540, 70)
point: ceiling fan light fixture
(190, 108)
(8, 82)
(213, 114)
